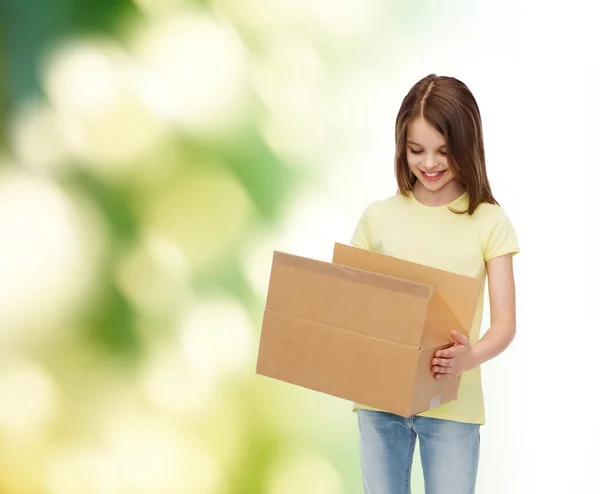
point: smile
(432, 176)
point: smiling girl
(446, 217)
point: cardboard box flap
(438, 323)
(458, 293)
(348, 298)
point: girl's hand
(455, 360)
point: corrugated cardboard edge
(352, 274)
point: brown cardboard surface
(363, 328)
(353, 299)
(337, 362)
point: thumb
(459, 338)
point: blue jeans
(449, 453)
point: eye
(443, 153)
(415, 152)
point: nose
(430, 163)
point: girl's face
(426, 155)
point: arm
(462, 356)
(503, 327)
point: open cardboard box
(364, 327)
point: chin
(433, 186)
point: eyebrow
(417, 144)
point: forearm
(497, 338)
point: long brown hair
(449, 106)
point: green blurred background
(153, 153)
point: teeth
(433, 174)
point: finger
(443, 362)
(443, 377)
(440, 370)
(448, 353)
(459, 338)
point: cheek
(412, 161)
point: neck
(448, 193)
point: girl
(446, 217)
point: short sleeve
(362, 233)
(501, 237)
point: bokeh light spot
(199, 65)
(36, 138)
(153, 274)
(204, 213)
(75, 470)
(100, 100)
(29, 398)
(299, 473)
(216, 338)
(47, 261)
